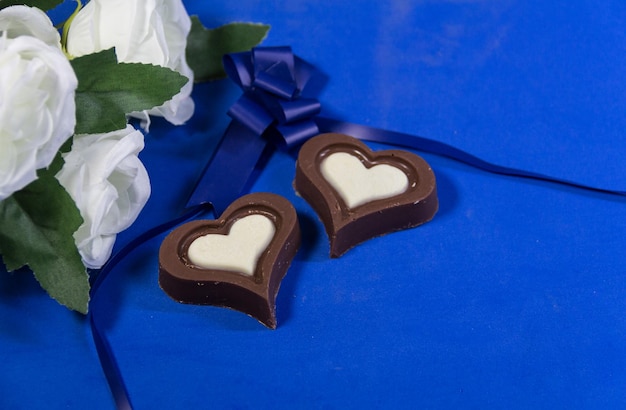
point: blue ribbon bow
(273, 81)
(277, 109)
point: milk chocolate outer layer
(348, 227)
(254, 295)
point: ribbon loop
(251, 114)
(276, 80)
(299, 109)
(265, 57)
(238, 67)
(296, 134)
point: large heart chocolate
(360, 194)
(237, 261)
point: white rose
(37, 85)
(110, 186)
(142, 31)
(29, 21)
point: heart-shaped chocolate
(236, 261)
(359, 194)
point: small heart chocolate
(236, 261)
(358, 193)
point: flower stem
(66, 27)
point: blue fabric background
(513, 296)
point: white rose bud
(142, 31)
(37, 85)
(110, 186)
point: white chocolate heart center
(239, 250)
(357, 184)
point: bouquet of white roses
(70, 176)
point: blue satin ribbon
(277, 109)
(105, 353)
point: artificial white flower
(37, 85)
(18, 21)
(142, 31)
(110, 186)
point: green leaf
(57, 162)
(36, 228)
(108, 90)
(42, 4)
(206, 47)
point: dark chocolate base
(347, 227)
(254, 295)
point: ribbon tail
(439, 148)
(105, 353)
(235, 166)
(110, 368)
